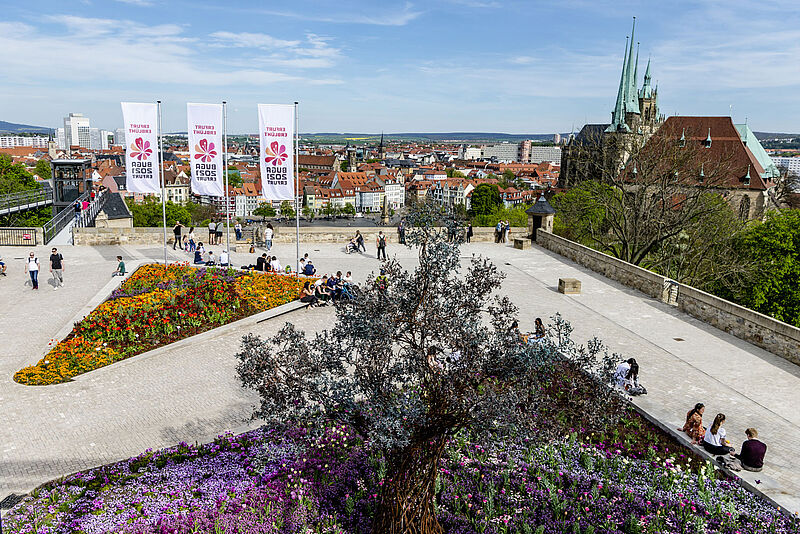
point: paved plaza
(192, 393)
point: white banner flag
(276, 137)
(141, 147)
(205, 149)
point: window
(744, 208)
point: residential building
(472, 152)
(394, 191)
(538, 154)
(177, 186)
(246, 199)
(76, 131)
(11, 141)
(501, 151)
(790, 164)
(318, 163)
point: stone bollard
(569, 286)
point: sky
(417, 66)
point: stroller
(351, 247)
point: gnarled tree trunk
(408, 492)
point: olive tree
(415, 360)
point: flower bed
(154, 307)
(288, 480)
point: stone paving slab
(191, 393)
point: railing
(88, 215)
(23, 199)
(52, 227)
(19, 236)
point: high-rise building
(61, 139)
(557, 138)
(501, 151)
(76, 131)
(119, 136)
(99, 139)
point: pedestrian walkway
(192, 394)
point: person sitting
(538, 331)
(261, 262)
(309, 269)
(307, 295)
(621, 373)
(276, 265)
(714, 441)
(209, 258)
(343, 286)
(199, 253)
(348, 278)
(352, 246)
(224, 260)
(321, 289)
(632, 385)
(751, 458)
(694, 423)
(120, 267)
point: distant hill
(11, 127)
(767, 135)
(455, 137)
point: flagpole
(227, 192)
(297, 184)
(163, 183)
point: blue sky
(367, 66)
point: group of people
(714, 440)
(501, 232)
(356, 243)
(328, 289)
(32, 267)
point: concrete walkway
(193, 394)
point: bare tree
(647, 191)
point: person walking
(269, 232)
(57, 268)
(380, 242)
(498, 229)
(238, 229)
(32, 268)
(192, 239)
(401, 233)
(176, 230)
(360, 241)
(211, 232)
(2, 266)
(77, 209)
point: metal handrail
(88, 215)
(51, 228)
(21, 198)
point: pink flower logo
(276, 154)
(205, 151)
(140, 149)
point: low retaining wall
(761, 330)
(309, 234)
(15, 236)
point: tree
(234, 177)
(14, 178)
(43, 169)
(148, 213)
(485, 199)
(308, 213)
(286, 209)
(349, 209)
(773, 286)
(265, 209)
(416, 361)
(328, 210)
(452, 173)
(200, 212)
(660, 191)
(508, 179)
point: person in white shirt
(211, 232)
(268, 233)
(32, 268)
(223, 258)
(715, 440)
(210, 259)
(621, 374)
(348, 278)
(276, 265)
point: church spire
(631, 96)
(618, 116)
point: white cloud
(313, 53)
(107, 51)
(522, 60)
(385, 17)
(142, 3)
(251, 40)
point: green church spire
(631, 94)
(618, 116)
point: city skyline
(448, 66)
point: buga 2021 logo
(276, 154)
(140, 149)
(205, 151)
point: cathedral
(599, 149)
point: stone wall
(761, 330)
(645, 281)
(311, 234)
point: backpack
(382, 241)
